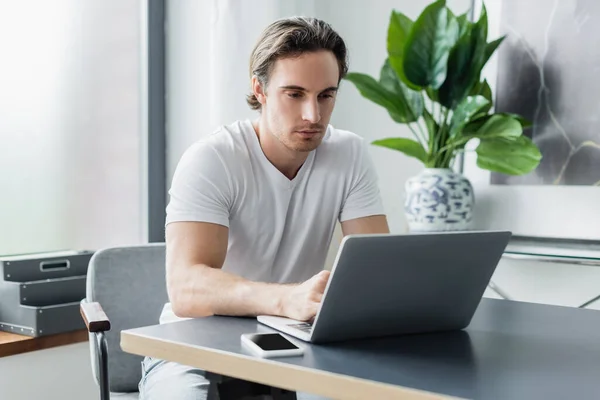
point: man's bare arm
(197, 285)
(366, 225)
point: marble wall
(549, 72)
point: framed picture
(548, 70)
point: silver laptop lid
(395, 284)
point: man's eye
(294, 95)
(326, 96)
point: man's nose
(311, 112)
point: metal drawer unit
(40, 292)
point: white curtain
(208, 49)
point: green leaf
(398, 30)
(432, 94)
(490, 48)
(407, 146)
(458, 77)
(525, 123)
(496, 126)
(412, 99)
(464, 64)
(475, 124)
(479, 119)
(432, 126)
(482, 89)
(468, 108)
(482, 23)
(463, 24)
(515, 156)
(428, 45)
(377, 93)
(432, 130)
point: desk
(11, 344)
(511, 350)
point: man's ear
(258, 90)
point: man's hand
(302, 301)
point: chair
(126, 288)
(127, 284)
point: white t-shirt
(279, 229)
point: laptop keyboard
(304, 326)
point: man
(253, 206)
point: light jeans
(165, 380)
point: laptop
(389, 284)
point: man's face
(299, 99)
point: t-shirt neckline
(276, 174)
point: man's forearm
(200, 290)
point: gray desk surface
(511, 350)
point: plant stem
(462, 151)
(448, 158)
(443, 134)
(455, 144)
(423, 135)
(431, 134)
(417, 136)
(447, 152)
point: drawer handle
(57, 265)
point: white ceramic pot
(438, 199)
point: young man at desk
(254, 205)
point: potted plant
(431, 82)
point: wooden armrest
(94, 317)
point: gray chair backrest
(129, 283)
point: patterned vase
(438, 199)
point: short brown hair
(291, 37)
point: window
(71, 149)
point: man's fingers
(311, 311)
(321, 281)
(324, 274)
(317, 297)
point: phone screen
(272, 341)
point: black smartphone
(270, 345)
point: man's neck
(287, 161)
